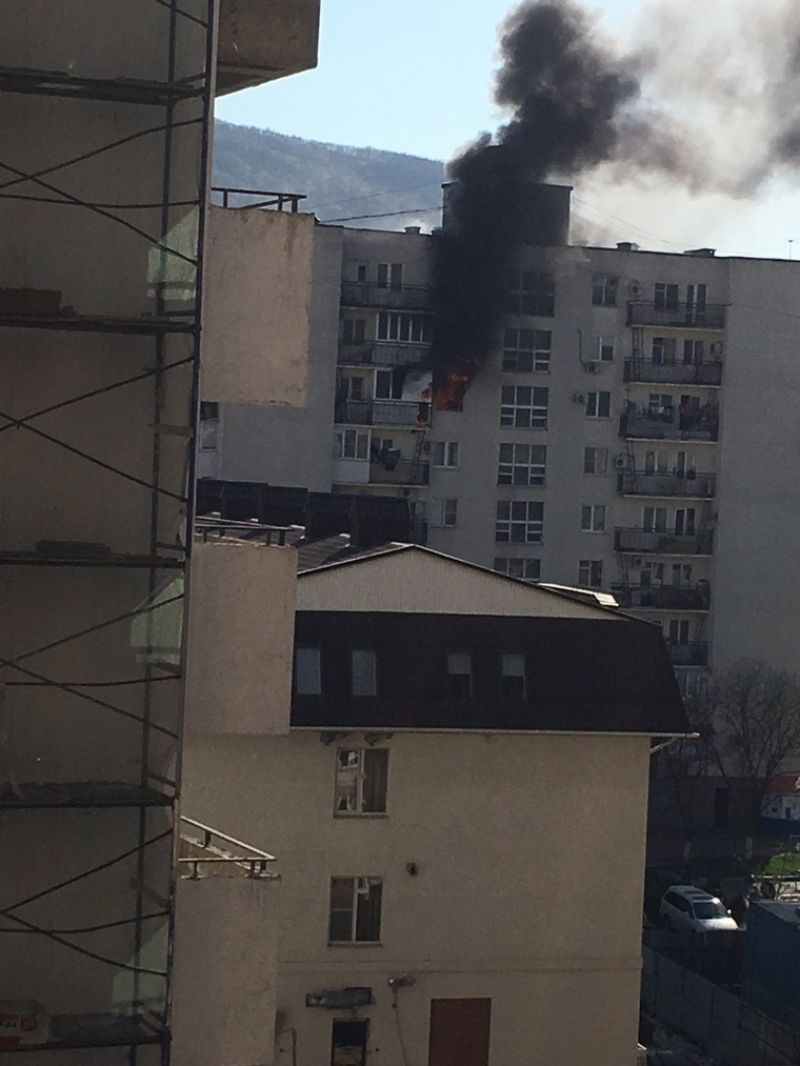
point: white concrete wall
(256, 326)
(241, 633)
(531, 900)
(225, 971)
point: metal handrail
(275, 199)
(255, 861)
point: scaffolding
(103, 183)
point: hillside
(339, 181)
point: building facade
(632, 431)
(457, 798)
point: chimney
(413, 229)
(627, 246)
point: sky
(416, 76)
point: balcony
(380, 353)
(688, 485)
(383, 413)
(680, 316)
(646, 370)
(664, 597)
(670, 423)
(688, 654)
(399, 472)
(635, 540)
(400, 297)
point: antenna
(790, 242)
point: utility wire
(385, 214)
(79, 930)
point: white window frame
(448, 512)
(596, 402)
(361, 888)
(354, 768)
(523, 465)
(532, 292)
(602, 350)
(519, 522)
(527, 351)
(445, 454)
(403, 327)
(524, 406)
(598, 463)
(593, 518)
(528, 567)
(350, 439)
(604, 290)
(588, 569)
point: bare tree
(688, 760)
(756, 716)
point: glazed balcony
(399, 472)
(664, 597)
(381, 353)
(680, 316)
(695, 654)
(687, 485)
(670, 423)
(650, 542)
(395, 297)
(647, 371)
(382, 413)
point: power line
(385, 214)
(374, 195)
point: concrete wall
(240, 654)
(543, 917)
(225, 971)
(259, 42)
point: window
(512, 675)
(361, 779)
(352, 387)
(396, 326)
(449, 512)
(353, 330)
(308, 671)
(524, 569)
(522, 464)
(361, 271)
(526, 350)
(209, 426)
(459, 675)
(663, 351)
(519, 522)
(363, 672)
(445, 453)
(590, 573)
(598, 405)
(524, 406)
(355, 914)
(595, 461)
(604, 291)
(388, 385)
(654, 519)
(678, 631)
(693, 352)
(531, 293)
(685, 521)
(593, 518)
(602, 350)
(209, 409)
(351, 444)
(390, 275)
(666, 296)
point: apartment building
(632, 431)
(106, 122)
(457, 797)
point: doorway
(349, 1043)
(459, 1032)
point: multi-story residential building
(457, 798)
(631, 431)
(106, 121)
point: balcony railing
(688, 654)
(693, 485)
(382, 413)
(635, 539)
(252, 198)
(680, 316)
(664, 597)
(399, 472)
(368, 294)
(379, 353)
(669, 423)
(673, 373)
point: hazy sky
(416, 76)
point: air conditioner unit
(427, 446)
(590, 368)
(716, 348)
(619, 462)
(637, 563)
(635, 290)
(578, 397)
(340, 998)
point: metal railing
(679, 316)
(369, 294)
(381, 353)
(399, 472)
(646, 370)
(264, 198)
(664, 597)
(665, 542)
(694, 654)
(253, 861)
(641, 483)
(382, 413)
(670, 424)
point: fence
(717, 1020)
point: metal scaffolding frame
(144, 1024)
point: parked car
(687, 907)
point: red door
(459, 1032)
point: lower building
(457, 796)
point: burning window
(526, 350)
(522, 464)
(523, 406)
(519, 522)
(531, 292)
